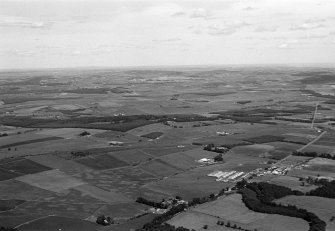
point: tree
(218, 158)
(205, 227)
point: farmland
(81, 144)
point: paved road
(303, 147)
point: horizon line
(329, 65)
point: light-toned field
(158, 127)
(103, 195)
(180, 160)
(232, 209)
(53, 180)
(321, 164)
(159, 168)
(324, 208)
(68, 132)
(292, 182)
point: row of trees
(327, 189)
(314, 154)
(154, 204)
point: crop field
(52, 177)
(161, 151)
(59, 223)
(9, 204)
(101, 162)
(24, 166)
(124, 180)
(76, 210)
(53, 180)
(156, 127)
(134, 156)
(52, 161)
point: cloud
(288, 43)
(19, 22)
(15, 52)
(200, 13)
(283, 46)
(313, 37)
(226, 28)
(309, 24)
(265, 29)
(168, 40)
(248, 8)
(179, 14)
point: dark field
(22, 167)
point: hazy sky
(72, 33)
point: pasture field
(188, 185)
(324, 208)
(130, 225)
(254, 150)
(291, 182)
(52, 180)
(180, 161)
(100, 194)
(321, 164)
(68, 132)
(232, 209)
(159, 168)
(327, 140)
(153, 135)
(56, 223)
(320, 149)
(132, 157)
(101, 162)
(121, 211)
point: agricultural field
(231, 209)
(78, 144)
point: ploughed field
(71, 152)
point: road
(303, 147)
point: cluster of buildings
(231, 176)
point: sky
(93, 33)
